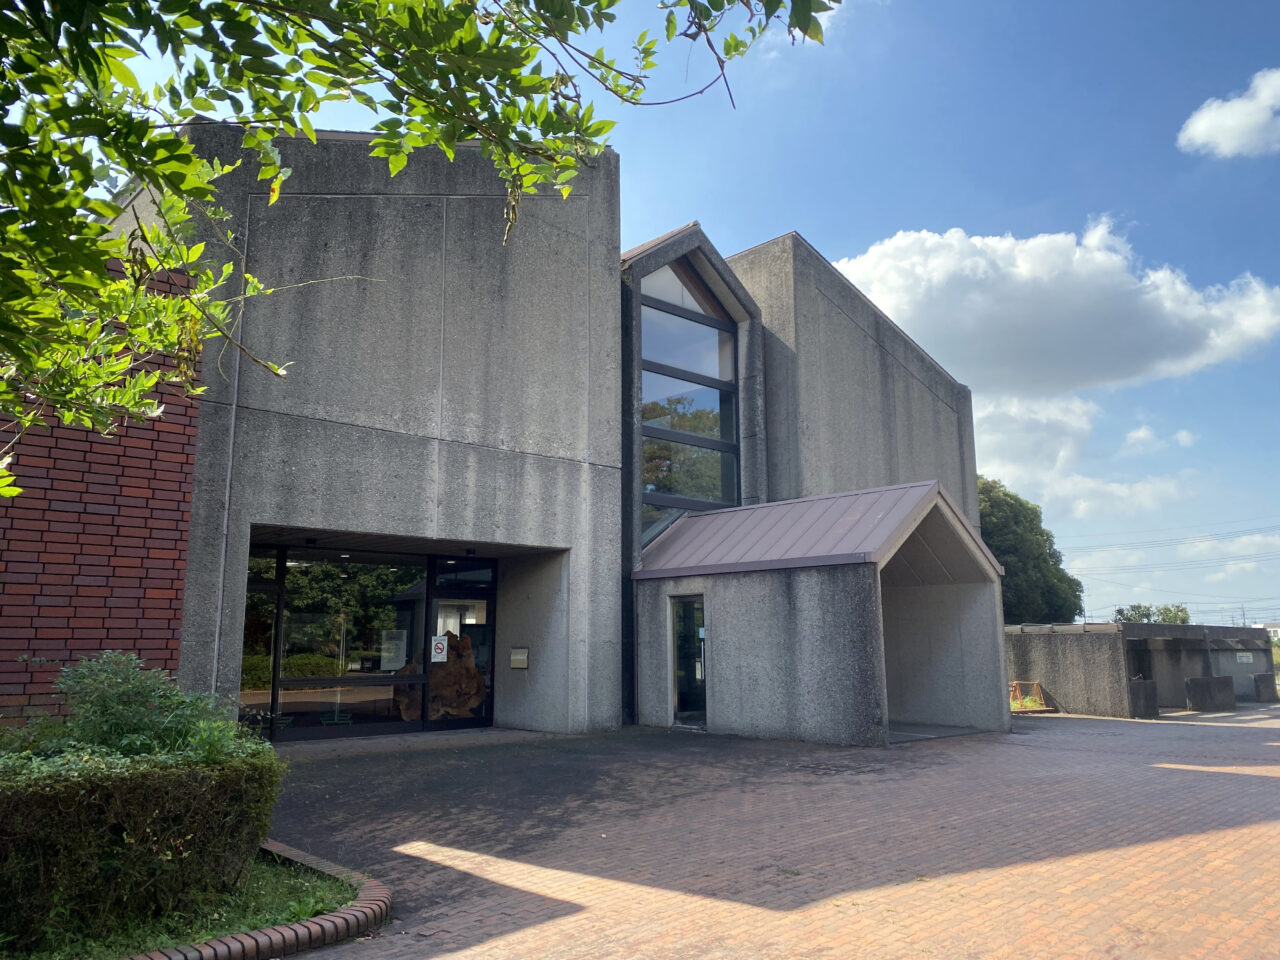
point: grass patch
(1026, 703)
(276, 891)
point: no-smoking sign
(439, 649)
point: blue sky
(1125, 364)
(1044, 196)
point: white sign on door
(439, 649)
(394, 643)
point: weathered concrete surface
(1178, 651)
(944, 662)
(1087, 675)
(789, 653)
(1171, 663)
(1071, 838)
(1240, 665)
(1143, 702)
(1210, 694)
(852, 401)
(1264, 688)
(1079, 672)
(444, 387)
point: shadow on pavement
(481, 840)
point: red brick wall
(93, 552)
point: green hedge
(95, 841)
(255, 668)
(311, 665)
(255, 671)
(143, 802)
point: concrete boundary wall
(1079, 672)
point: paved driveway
(1068, 838)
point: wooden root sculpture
(456, 687)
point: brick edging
(371, 908)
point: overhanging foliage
(80, 342)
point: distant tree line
(1146, 613)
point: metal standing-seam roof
(863, 526)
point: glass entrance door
(459, 686)
(460, 671)
(690, 647)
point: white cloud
(1033, 324)
(1246, 125)
(1107, 560)
(1141, 440)
(1230, 572)
(1057, 313)
(1034, 447)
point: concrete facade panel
(497, 496)
(533, 612)
(852, 401)
(790, 653)
(301, 472)
(515, 324)
(337, 282)
(451, 397)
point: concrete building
(436, 519)
(1132, 669)
(1273, 631)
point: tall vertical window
(689, 397)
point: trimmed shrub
(311, 665)
(143, 802)
(255, 671)
(94, 841)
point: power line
(1178, 593)
(1184, 526)
(1179, 541)
(1183, 564)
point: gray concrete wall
(944, 663)
(532, 612)
(852, 401)
(1179, 651)
(1171, 664)
(794, 654)
(443, 387)
(1227, 664)
(1080, 672)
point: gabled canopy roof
(914, 524)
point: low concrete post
(1143, 703)
(1264, 686)
(1210, 694)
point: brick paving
(1069, 838)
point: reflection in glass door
(337, 642)
(690, 647)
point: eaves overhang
(861, 526)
